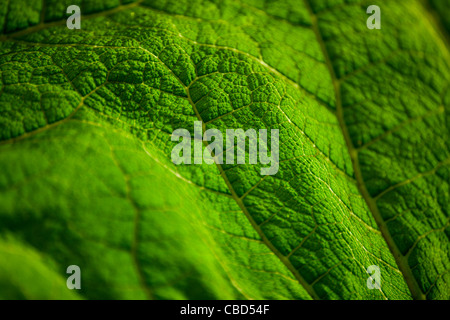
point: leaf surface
(86, 178)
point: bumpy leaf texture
(86, 178)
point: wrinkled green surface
(86, 178)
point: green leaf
(86, 177)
